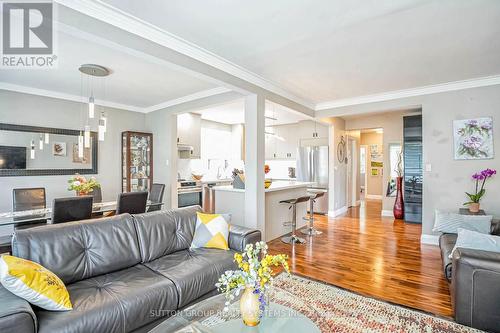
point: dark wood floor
(373, 256)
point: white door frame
(366, 168)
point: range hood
(184, 147)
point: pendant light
(32, 150)
(86, 137)
(91, 107)
(102, 126)
(80, 145)
(92, 71)
(40, 142)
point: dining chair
(156, 196)
(96, 194)
(29, 199)
(131, 202)
(71, 209)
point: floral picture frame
(473, 138)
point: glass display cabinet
(137, 161)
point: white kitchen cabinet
(309, 129)
(284, 147)
(189, 134)
(270, 145)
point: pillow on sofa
(450, 222)
(34, 283)
(468, 239)
(212, 231)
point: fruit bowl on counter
(196, 177)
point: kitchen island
(229, 200)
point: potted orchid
(480, 178)
(254, 278)
(82, 185)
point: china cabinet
(137, 161)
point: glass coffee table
(285, 313)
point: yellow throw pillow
(212, 231)
(34, 283)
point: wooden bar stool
(310, 230)
(293, 238)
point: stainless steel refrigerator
(312, 166)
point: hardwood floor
(373, 256)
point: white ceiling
(234, 113)
(135, 82)
(327, 50)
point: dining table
(31, 216)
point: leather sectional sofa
(124, 273)
(474, 278)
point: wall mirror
(42, 151)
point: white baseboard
(388, 213)
(373, 196)
(429, 239)
(335, 213)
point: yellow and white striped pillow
(34, 283)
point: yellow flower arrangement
(255, 271)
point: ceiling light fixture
(93, 71)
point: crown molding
(413, 92)
(127, 22)
(188, 98)
(67, 97)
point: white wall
(337, 170)
(445, 185)
(24, 109)
(163, 125)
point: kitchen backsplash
(210, 169)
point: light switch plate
(428, 167)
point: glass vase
(250, 307)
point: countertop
(275, 186)
(208, 181)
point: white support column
(254, 162)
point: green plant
(80, 184)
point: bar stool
(293, 238)
(310, 230)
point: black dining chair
(96, 194)
(131, 202)
(29, 199)
(71, 209)
(156, 196)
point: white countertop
(275, 186)
(225, 180)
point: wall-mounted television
(12, 157)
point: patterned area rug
(337, 310)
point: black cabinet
(413, 168)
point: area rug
(337, 310)
(334, 309)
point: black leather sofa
(474, 278)
(124, 273)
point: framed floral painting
(473, 139)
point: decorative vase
(474, 207)
(81, 193)
(399, 208)
(250, 307)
